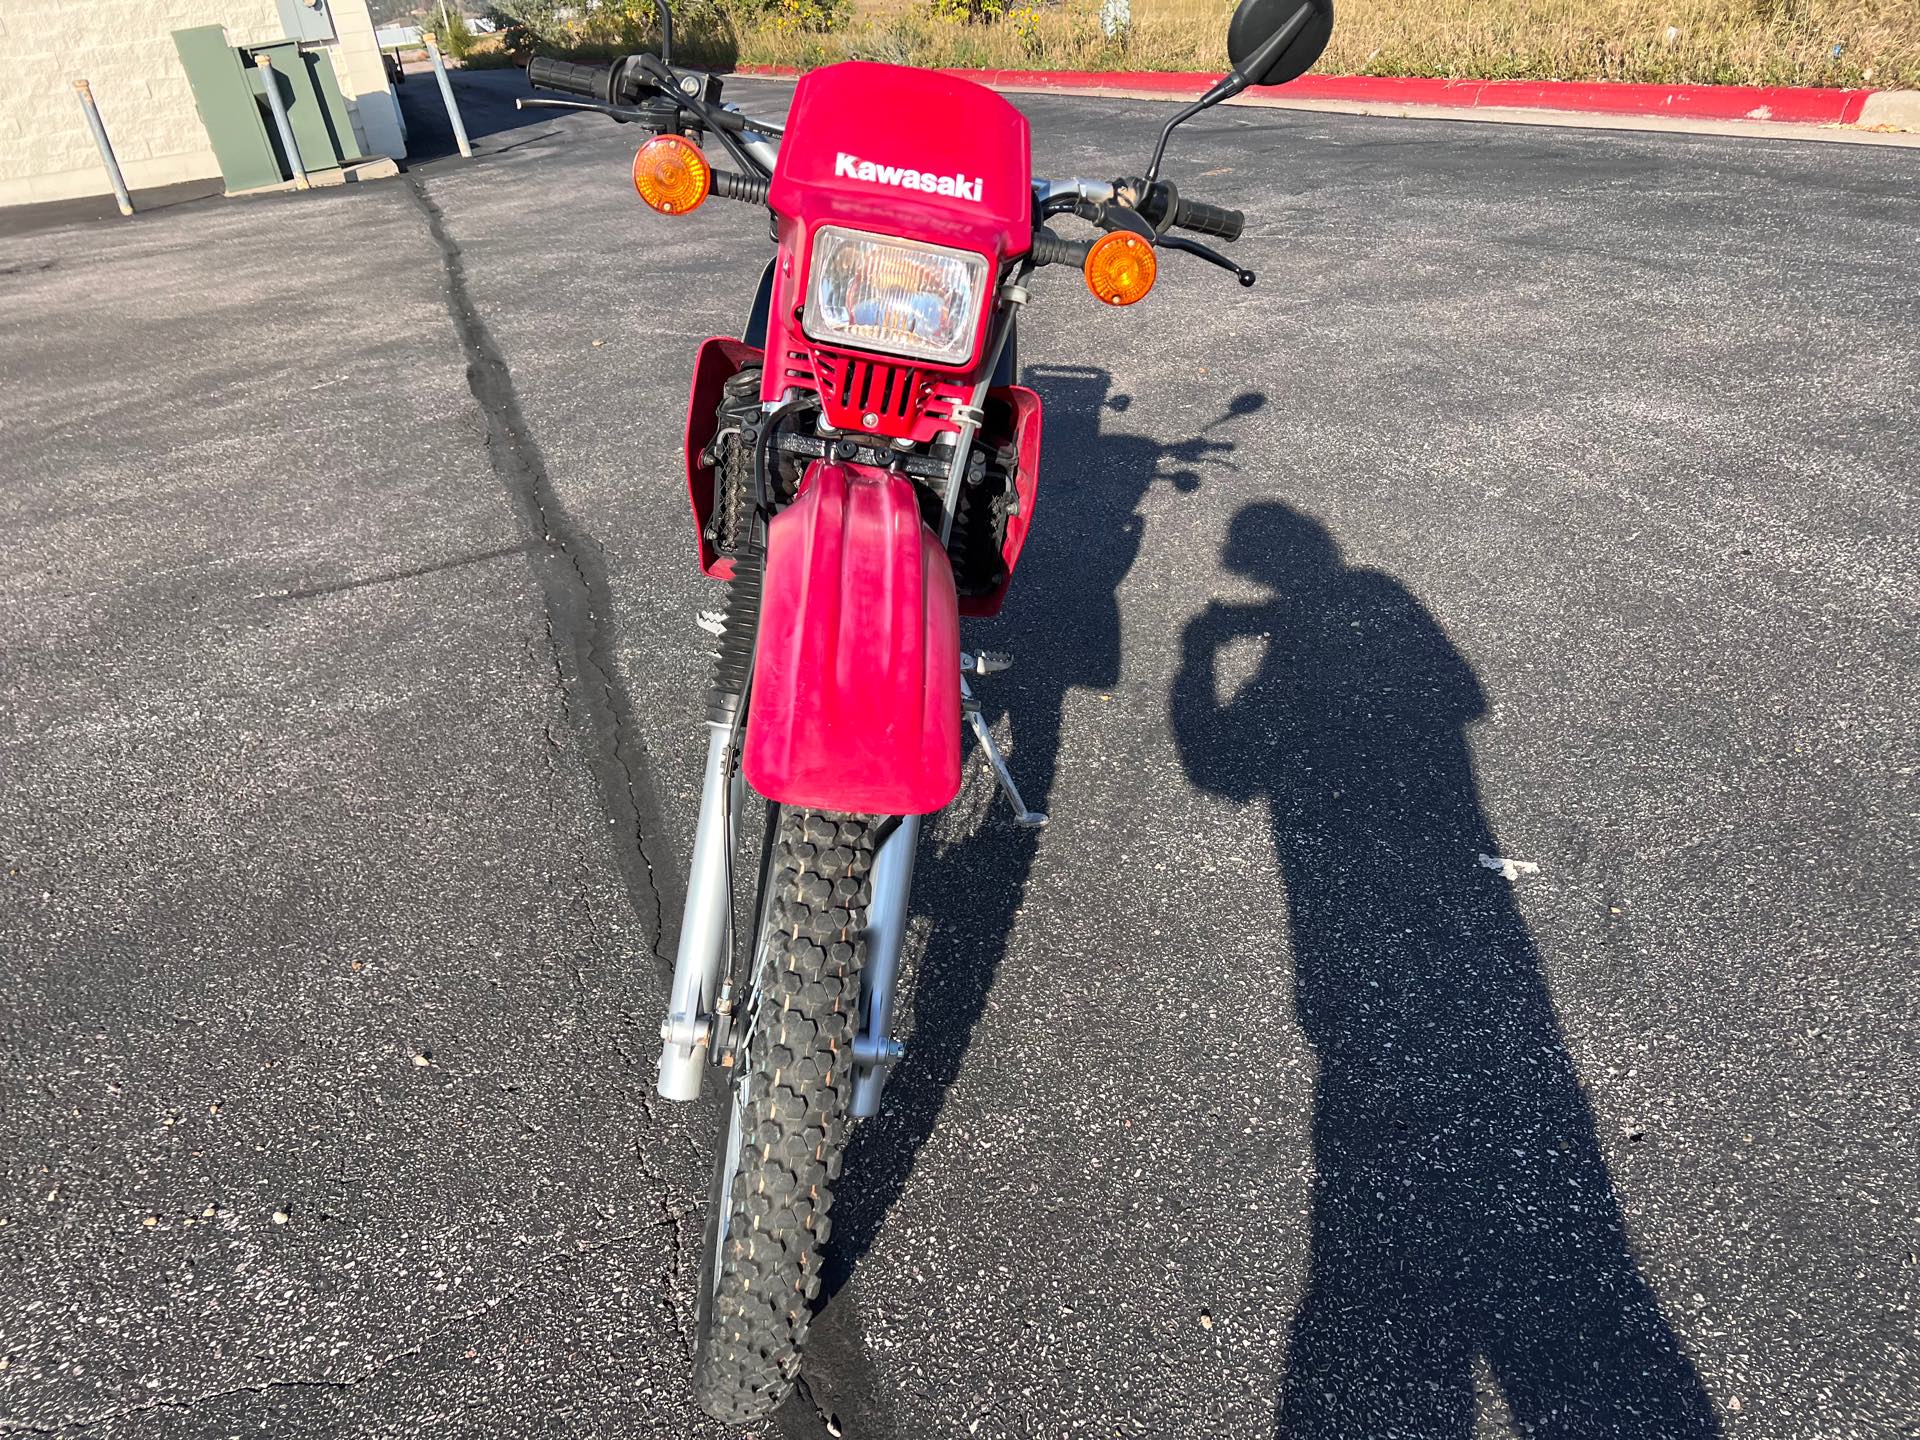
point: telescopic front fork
(687, 1035)
(874, 1048)
(706, 926)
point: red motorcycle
(863, 471)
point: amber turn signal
(671, 174)
(1120, 268)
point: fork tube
(1014, 293)
(706, 927)
(875, 1049)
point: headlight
(922, 302)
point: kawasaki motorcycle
(863, 469)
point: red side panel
(1013, 420)
(856, 688)
(718, 361)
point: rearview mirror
(1259, 23)
(1270, 42)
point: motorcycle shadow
(1063, 629)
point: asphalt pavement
(1549, 500)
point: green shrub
(703, 30)
(967, 12)
(452, 34)
(492, 58)
(807, 17)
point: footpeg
(985, 662)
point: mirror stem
(666, 31)
(1235, 80)
(1186, 112)
(1229, 85)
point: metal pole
(92, 112)
(300, 181)
(446, 94)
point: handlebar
(747, 189)
(589, 82)
(1154, 200)
(1205, 219)
(1052, 249)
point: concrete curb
(1897, 110)
(1767, 106)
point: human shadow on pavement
(1062, 627)
(1462, 1206)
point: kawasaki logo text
(901, 177)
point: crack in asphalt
(72, 1423)
(69, 1424)
(674, 1277)
(570, 566)
(828, 1418)
(394, 576)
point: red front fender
(856, 686)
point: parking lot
(1551, 497)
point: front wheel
(786, 1118)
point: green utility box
(229, 90)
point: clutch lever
(1206, 253)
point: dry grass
(1755, 42)
(488, 53)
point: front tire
(767, 1215)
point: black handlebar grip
(1205, 219)
(1052, 249)
(589, 82)
(749, 189)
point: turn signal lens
(671, 174)
(1120, 268)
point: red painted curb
(1789, 104)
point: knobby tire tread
(798, 1074)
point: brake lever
(623, 113)
(1206, 253)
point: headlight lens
(918, 301)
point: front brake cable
(720, 122)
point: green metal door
(224, 94)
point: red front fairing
(856, 686)
(851, 120)
(893, 116)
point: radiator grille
(902, 400)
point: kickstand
(1031, 819)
